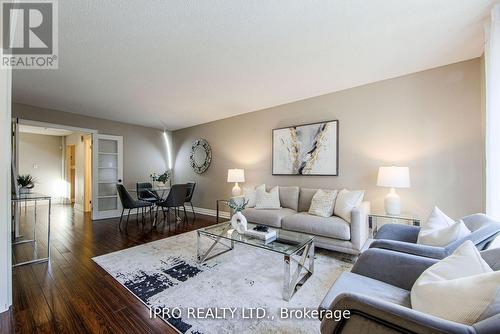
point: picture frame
(306, 150)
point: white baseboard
(210, 212)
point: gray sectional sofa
(333, 233)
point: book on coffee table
(268, 236)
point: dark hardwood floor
(72, 294)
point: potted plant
(238, 221)
(153, 178)
(165, 177)
(26, 183)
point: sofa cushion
(250, 194)
(331, 227)
(305, 198)
(289, 197)
(346, 201)
(270, 217)
(462, 276)
(354, 283)
(323, 202)
(267, 199)
(440, 230)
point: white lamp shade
(393, 177)
(235, 175)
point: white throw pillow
(250, 194)
(458, 288)
(346, 201)
(440, 230)
(323, 202)
(267, 200)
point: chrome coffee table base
(216, 240)
(298, 264)
(304, 260)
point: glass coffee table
(297, 250)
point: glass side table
(377, 220)
(218, 202)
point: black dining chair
(129, 203)
(146, 193)
(189, 196)
(175, 200)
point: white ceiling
(43, 131)
(174, 64)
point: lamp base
(236, 190)
(392, 203)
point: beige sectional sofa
(333, 233)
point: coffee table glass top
(287, 242)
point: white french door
(107, 152)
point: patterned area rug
(165, 274)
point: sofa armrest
(370, 315)
(481, 237)
(477, 220)
(359, 225)
(488, 326)
(410, 248)
(398, 232)
(398, 269)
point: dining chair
(190, 191)
(175, 200)
(129, 203)
(146, 193)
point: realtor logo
(29, 34)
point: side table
(32, 197)
(377, 220)
(223, 201)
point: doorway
(78, 170)
(40, 156)
(66, 176)
(87, 178)
(71, 171)
(97, 162)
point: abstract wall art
(309, 149)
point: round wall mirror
(201, 156)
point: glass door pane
(108, 175)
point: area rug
(235, 292)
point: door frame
(96, 215)
(70, 172)
(91, 132)
(88, 171)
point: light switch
(35, 166)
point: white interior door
(107, 152)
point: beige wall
(144, 148)
(45, 152)
(430, 121)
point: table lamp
(236, 175)
(393, 177)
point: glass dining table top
(287, 242)
(162, 191)
(156, 188)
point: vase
(239, 222)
